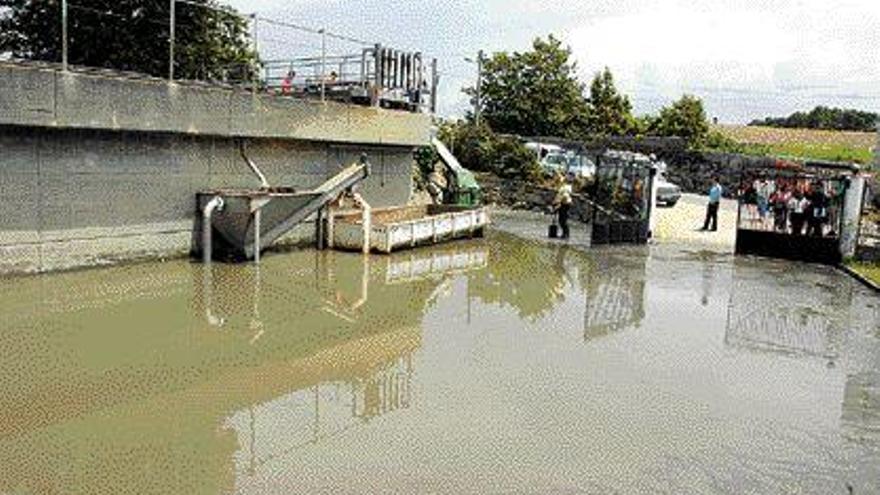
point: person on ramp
(714, 203)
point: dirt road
(681, 224)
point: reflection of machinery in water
(614, 299)
(434, 263)
(372, 386)
(787, 320)
(349, 384)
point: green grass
(871, 271)
(839, 146)
(836, 153)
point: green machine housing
(463, 189)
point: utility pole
(171, 40)
(64, 35)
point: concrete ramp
(272, 212)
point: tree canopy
(610, 111)
(534, 93)
(132, 35)
(827, 118)
(685, 118)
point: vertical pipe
(215, 204)
(331, 226)
(172, 21)
(319, 230)
(64, 35)
(323, 63)
(257, 232)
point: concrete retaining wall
(38, 96)
(95, 170)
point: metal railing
(313, 63)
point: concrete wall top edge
(46, 97)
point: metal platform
(250, 220)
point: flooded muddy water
(503, 365)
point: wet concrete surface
(505, 365)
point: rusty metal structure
(377, 76)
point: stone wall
(693, 171)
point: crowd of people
(797, 206)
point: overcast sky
(745, 58)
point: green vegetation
(871, 271)
(132, 35)
(794, 143)
(534, 93)
(538, 93)
(480, 149)
(686, 119)
(610, 113)
(837, 119)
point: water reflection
(816, 314)
(535, 278)
(119, 378)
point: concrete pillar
(852, 214)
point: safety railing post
(64, 47)
(171, 26)
(323, 63)
(255, 71)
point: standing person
(714, 203)
(779, 201)
(818, 213)
(562, 203)
(287, 83)
(764, 190)
(798, 207)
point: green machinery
(462, 187)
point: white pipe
(366, 220)
(257, 227)
(216, 204)
(264, 183)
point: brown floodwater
(502, 365)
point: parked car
(667, 193)
(554, 160)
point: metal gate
(621, 193)
(794, 212)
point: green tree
(686, 119)
(479, 148)
(610, 112)
(534, 93)
(132, 35)
(826, 118)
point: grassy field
(870, 271)
(803, 143)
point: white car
(668, 193)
